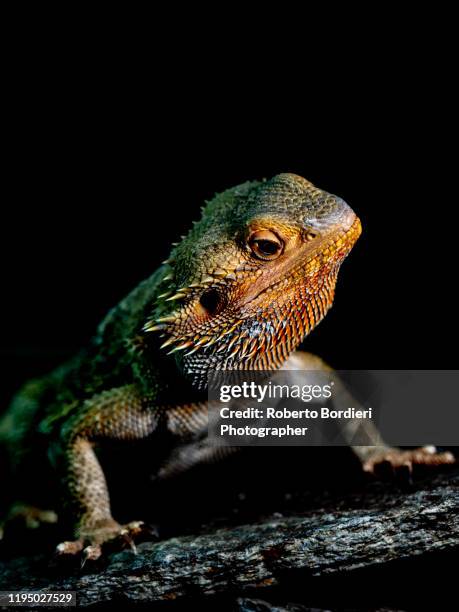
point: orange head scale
(253, 277)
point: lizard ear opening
(210, 301)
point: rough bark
(394, 525)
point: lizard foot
(105, 533)
(392, 462)
(28, 516)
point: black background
(102, 173)
(109, 153)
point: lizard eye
(265, 244)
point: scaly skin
(251, 279)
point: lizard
(252, 278)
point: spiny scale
(168, 342)
(151, 326)
(177, 296)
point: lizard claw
(129, 541)
(29, 516)
(395, 462)
(91, 553)
(69, 547)
(134, 528)
(106, 534)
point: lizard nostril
(210, 300)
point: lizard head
(253, 277)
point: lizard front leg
(189, 425)
(375, 455)
(190, 422)
(121, 413)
